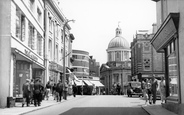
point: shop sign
(53, 66)
(31, 55)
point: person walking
(149, 90)
(59, 89)
(54, 91)
(154, 87)
(31, 89)
(118, 88)
(37, 92)
(145, 91)
(47, 89)
(26, 93)
(65, 90)
(162, 89)
(74, 87)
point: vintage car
(134, 88)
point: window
(62, 36)
(118, 56)
(110, 57)
(20, 25)
(50, 49)
(31, 5)
(39, 44)
(39, 14)
(146, 47)
(147, 64)
(74, 56)
(31, 38)
(56, 53)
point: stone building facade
(117, 70)
(145, 61)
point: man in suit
(37, 92)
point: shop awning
(88, 82)
(78, 83)
(166, 32)
(97, 83)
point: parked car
(134, 88)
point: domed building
(117, 70)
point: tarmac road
(95, 105)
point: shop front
(166, 40)
(55, 72)
(25, 65)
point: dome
(119, 41)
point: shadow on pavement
(106, 111)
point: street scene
(83, 105)
(96, 57)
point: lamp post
(64, 68)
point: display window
(172, 69)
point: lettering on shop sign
(29, 54)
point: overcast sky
(96, 21)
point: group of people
(150, 89)
(34, 91)
(116, 89)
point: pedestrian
(74, 87)
(26, 93)
(31, 89)
(94, 90)
(47, 89)
(162, 89)
(54, 91)
(118, 88)
(149, 90)
(59, 89)
(145, 90)
(37, 92)
(154, 87)
(65, 90)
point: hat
(27, 80)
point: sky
(96, 21)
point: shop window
(172, 69)
(20, 25)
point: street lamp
(64, 68)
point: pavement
(155, 109)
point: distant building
(118, 66)
(145, 61)
(94, 67)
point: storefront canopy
(166, 32)
(97, 83)
(78, 83)
(88, 82)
